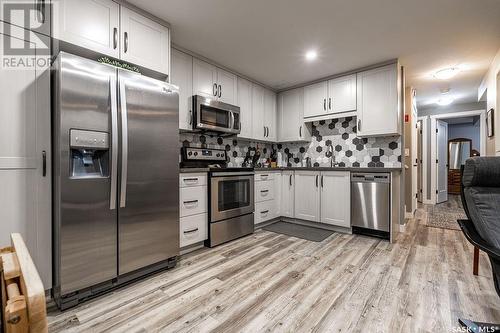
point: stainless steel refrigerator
(116, 177)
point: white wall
(489, 91)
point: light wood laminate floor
(275, 283)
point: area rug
(299, 231)
(446, 214)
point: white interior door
(419, 162)
(414, 158)
(442, 161)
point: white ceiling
(266, 39)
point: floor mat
(299, 231)
(446, 214)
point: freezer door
(85, 225)
(148, 225)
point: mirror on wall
(459, 150)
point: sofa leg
(475, 264)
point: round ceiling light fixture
(446, 73)
(311, 55)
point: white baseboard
(409, 215)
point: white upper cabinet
(330, 97)
(287, 194)
(307, 195)
(144, 42)
(204, 79)
(106, 27)
(210, 81)
(335, 198)
(291, 125)
(182, 76)
(227, 86)
(39, 14)
(244, 101)
(93, 24)
(342, 94)
(315, 96)
(259, 129)
(270, 115)
(378, 102)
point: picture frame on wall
(490, 123)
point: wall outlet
(407, 152)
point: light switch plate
(407, 152)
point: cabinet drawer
(193, 200)
(193, 229)
(259, 176)
(264, 190)
(264, 211)
(192, 179)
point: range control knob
(195, 153)
(190, 153)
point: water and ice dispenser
(90, 153)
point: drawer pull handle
(264, 176)
(190, 179)
(190, 202)
(264, 191)
(191, 231)
(264, 212)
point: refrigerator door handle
(123, 110)
(114, 142)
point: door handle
(317, 180)
(44, 163)
(214, 89)
(330, 103)
(190, 117)
(300, 131)
(125, 45)
(322, 181)
(114, 142)
(324, 104)
(359, 125)
(220, 91)
(264, 131)
(290, 180)
(123, 105)
(115, 38)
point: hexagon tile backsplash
(337, 135)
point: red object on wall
(407, 118)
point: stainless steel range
(230, 193)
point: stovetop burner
(214, 159)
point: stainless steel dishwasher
(371, 203)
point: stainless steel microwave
(215, 116)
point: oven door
(231, 195)
(216, 116)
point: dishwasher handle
(370, 178)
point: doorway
(446, 129)
(420, 158)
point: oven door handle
(231, 174)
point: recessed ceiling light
(447, 73)
(311, 55)
(445, 100)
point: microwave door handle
(231, 120)
(123, 109)
(114, 142)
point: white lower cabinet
(193, 229)
(277, 194)
(193, 202)
(264, 211)
(307, 195)
(287, 194)
(336, 198)
(267, 197)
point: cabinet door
(204, 79)
(336, 198)
(92, 24)
(259, 130)
(307, 195)
(377, 99)
(287, 194)
(245, 103)
(37, 11)
(277, 194)
(228, 86)
(144, 42)
(182, 76)
(315, 99)
(290, 116)
(342, 94)
(25, 198)
(270, 115)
